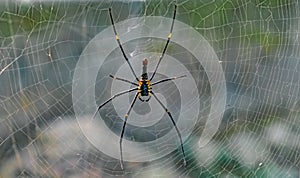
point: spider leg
(167, 79)
(123, 129)
(121, 79)
(120, 45)
(114, 96)
(179, 135)
(167, 43)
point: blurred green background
(257, 42)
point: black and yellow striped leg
(123, 80)
(123, 129)
(120, 45)
(167, 79)
(177, 130)
(111, 98)
(167, 43)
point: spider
(143, 87)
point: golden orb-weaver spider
(143, 86)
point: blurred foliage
(247, 21)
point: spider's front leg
(166, 45)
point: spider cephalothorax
(143, 86)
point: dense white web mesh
(237, 109)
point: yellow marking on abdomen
(117, 37)
(170, 35)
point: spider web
(256, 44)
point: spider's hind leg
(123, 128)
(111, 98)
(174, 123)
